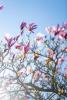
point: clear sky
(42, 12)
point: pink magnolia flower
(58, 31)
(62, 35)
(11, 40)
(24, 48)
(23, 25)
(31, 27)
(18, 46)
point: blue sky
(42, 12)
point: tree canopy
(33, 65)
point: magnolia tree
(33, 65)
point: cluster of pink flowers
(60, 31)
(30, 28)
(24, 48)
(11, 40)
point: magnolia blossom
(11, 40)
(62, 35)
(23, 25)
(54, 29)
(32, 27)
(18, 46)
(25, 48)
(57, 31)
